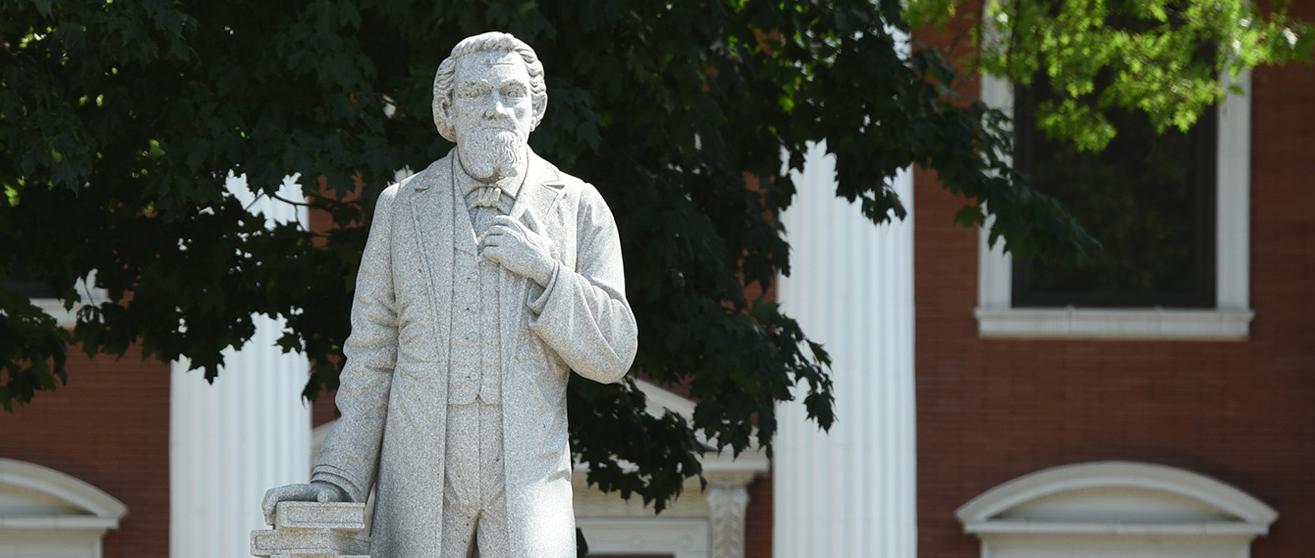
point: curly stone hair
(492, 41)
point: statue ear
(539, 109)
(443, 119)
(441, 113)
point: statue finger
(500, 228)
(267, 505)
(272, 497)
(492, 238)
(492, 253)
(509, 222)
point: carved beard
(491, 154)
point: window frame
(78, 517)
(1231, 315)
(1101, 509)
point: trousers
(474, 498)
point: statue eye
(469, 91)
(515, 91)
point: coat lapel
(432, 208)
(542, 186)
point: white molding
(74, 492)
(1115, 509)
(1223, 498)
(1114, 323)
(1229, 320)
(1233, 199)
(56, 514)
(1116, 529)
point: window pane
(1149, 199)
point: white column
(247, 432)
(849, 493)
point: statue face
(491, 113)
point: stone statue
(486, 279)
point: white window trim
(75, 531)
(1209, 513)
(681, 538)
(1231, 317)
(87, 293)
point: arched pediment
(1116, 497)
(36, 497)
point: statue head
(488, 95)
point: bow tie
(487, 196)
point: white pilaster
(728, 499)
(850, 492)
(249, 431)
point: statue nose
(498, 108)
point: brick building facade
(108, 427)
(990, 410)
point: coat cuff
(539, 298)
(327, 474)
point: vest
(476, 363)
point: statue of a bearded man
(486, 279)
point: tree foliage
(1166, 59)
(120, 120)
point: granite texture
(314, 530)
(420, 353)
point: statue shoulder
(573, 188)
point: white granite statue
(486, 279)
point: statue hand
(521, 248)
(313, 492)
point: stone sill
(1114, 324)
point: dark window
(1150, 200)
(30, 289)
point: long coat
(394, 383)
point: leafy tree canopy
(1168, 59)
(119, 121)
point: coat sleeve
(583, 314)
(350, 453)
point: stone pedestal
(314, 530)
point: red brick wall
(758, 518)
(1243, 412)
(108, 427)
